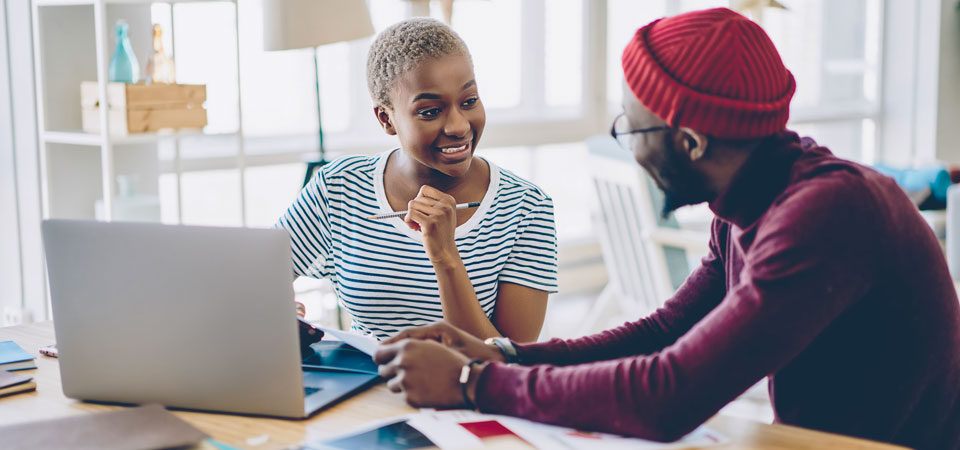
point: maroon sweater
(821, 276)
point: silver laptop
(188, 317)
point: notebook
(14, 383)
(144, 427)
(12, 357)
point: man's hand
(452, 337)
(425, 372)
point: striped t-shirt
(380, 269)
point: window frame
(531, 122)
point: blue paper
(10, 352)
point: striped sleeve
(533, 259)
(308, 222)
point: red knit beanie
(714, 71)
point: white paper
(549, 436)
(442, 428)
(365, 344)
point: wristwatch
(464, 381)
(506, 348)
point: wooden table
(373, 404)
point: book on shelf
(13, 357)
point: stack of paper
(461, 430)
(12, 357)
(15, 383)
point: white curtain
(23, 294)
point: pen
(403, 213)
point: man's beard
(681, 184)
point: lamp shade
(290, 24)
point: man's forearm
(702, 292)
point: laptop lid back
(189, 317)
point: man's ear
(385, 119)
(693, 142)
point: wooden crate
(144, 108)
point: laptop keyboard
(310, 390)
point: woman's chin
(455, 170)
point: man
(821, 276)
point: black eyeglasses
(621, 132)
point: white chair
(645, 255)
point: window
(563, 44)
(497, 55)
(833, 50)
(624, 17)
(533, 62)
(530, 71)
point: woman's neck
(405, 175)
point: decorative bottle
(160, 67)
(124, 66)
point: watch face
(465, 374)
(506, 348)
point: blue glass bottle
(124, 67)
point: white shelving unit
(73, 42)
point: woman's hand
(301, 310)
(434, 214)
(452, 337)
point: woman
(487, 269)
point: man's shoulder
(828, 179)
(830, 195)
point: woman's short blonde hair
(403, 46)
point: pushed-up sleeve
(533, 260)
(308, 223)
